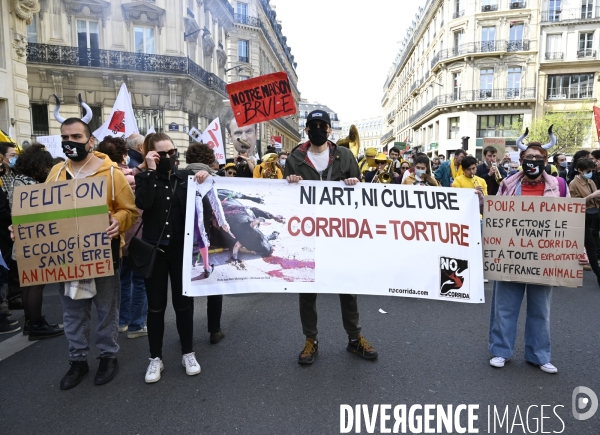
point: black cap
(318, 115)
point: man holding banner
(83, 162)
(320, 159)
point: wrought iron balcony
(386, 137)
(574, 14)
(458, 14)
(522, 45)
(555, 56)
(489, 8)
(586, 52)
(122, 60)
(518, 5)
(247, 19)
(245, 59)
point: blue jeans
(506, 303)
(134, 303)
(77, 318)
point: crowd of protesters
(148, 196)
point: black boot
(107, 369)
(44, 330)
(75, 375)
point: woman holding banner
(507, 296)
(421, 175)
(161, 192)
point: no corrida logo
(453, 272)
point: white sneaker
(191, 365)
(498, 362)
(154, 368)
(123, 328)
(549, 368)
(139, 333)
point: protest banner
(326, 237)
(276, 142)
(496, 142)
(60, 231)
(213, 137)
(535, 240)
(261, 98)
(121, 122)
(53, 145)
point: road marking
(13, 345)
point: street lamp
(239, 67)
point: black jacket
(153, 195)
(135, 158)
(484, 172)
(341, 162)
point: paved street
(430, 353)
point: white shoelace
(154, 366)
(190, 359)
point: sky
(344, 49)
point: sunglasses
(231, 172)
(380, 163)
(317, 124)
(169, 153)
(404, 168)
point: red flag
(597, 116)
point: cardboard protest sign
(320, 237)
(213, 137)
(261, 98)
(535, 240)
(60, 231)
(53, 144)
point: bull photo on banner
(326, 237)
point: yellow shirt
(259, 169)
(465, 182)
(455, 174)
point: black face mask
(533, 168)
(166, 164)
(317, 136)
(74, 150)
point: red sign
(597, 116)
(116, 123)
(261, 98)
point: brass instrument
(270, 169)
(497, 174)
(352, 141)
(387, 175)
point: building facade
(305, 108)
(370, 131)
(466, 68)
(255, 47)
(569, 58)
(15, 15)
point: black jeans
(308, 315)
(168, 264)
(592, 241)
(214, 307)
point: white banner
(53, 144)
(326, 237)
(213, 137)
(121, 122)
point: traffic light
(465, 142)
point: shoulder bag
(142, 255)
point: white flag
(121, 122)
(213, 137)
(151, 130)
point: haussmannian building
(465, 68)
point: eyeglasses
(169, 153)
(404, 168)
(316, 124)
(537, 158)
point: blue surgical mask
(282, 162)
(420, 172)
(563, 164)
(12, 162)
(127, 160)
(588, 175)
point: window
(486, 82)
(456, 84)
(515, 42)
(243, 78)
(586, 41)
(498, 125)
(458, 9)
(39, 119)
(243, 50)
(453, 127)
(146, 118)
(554, 9)
(4, 115)
(458, 39)
(514, 81)
(242, 9)
(554, 47)
(488, 38)
(489, 5)
(587, 6)
(144, 40)
(88, 41)
(570, 86)
(32, 35)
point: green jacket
(342, 164)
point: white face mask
(420, 172)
